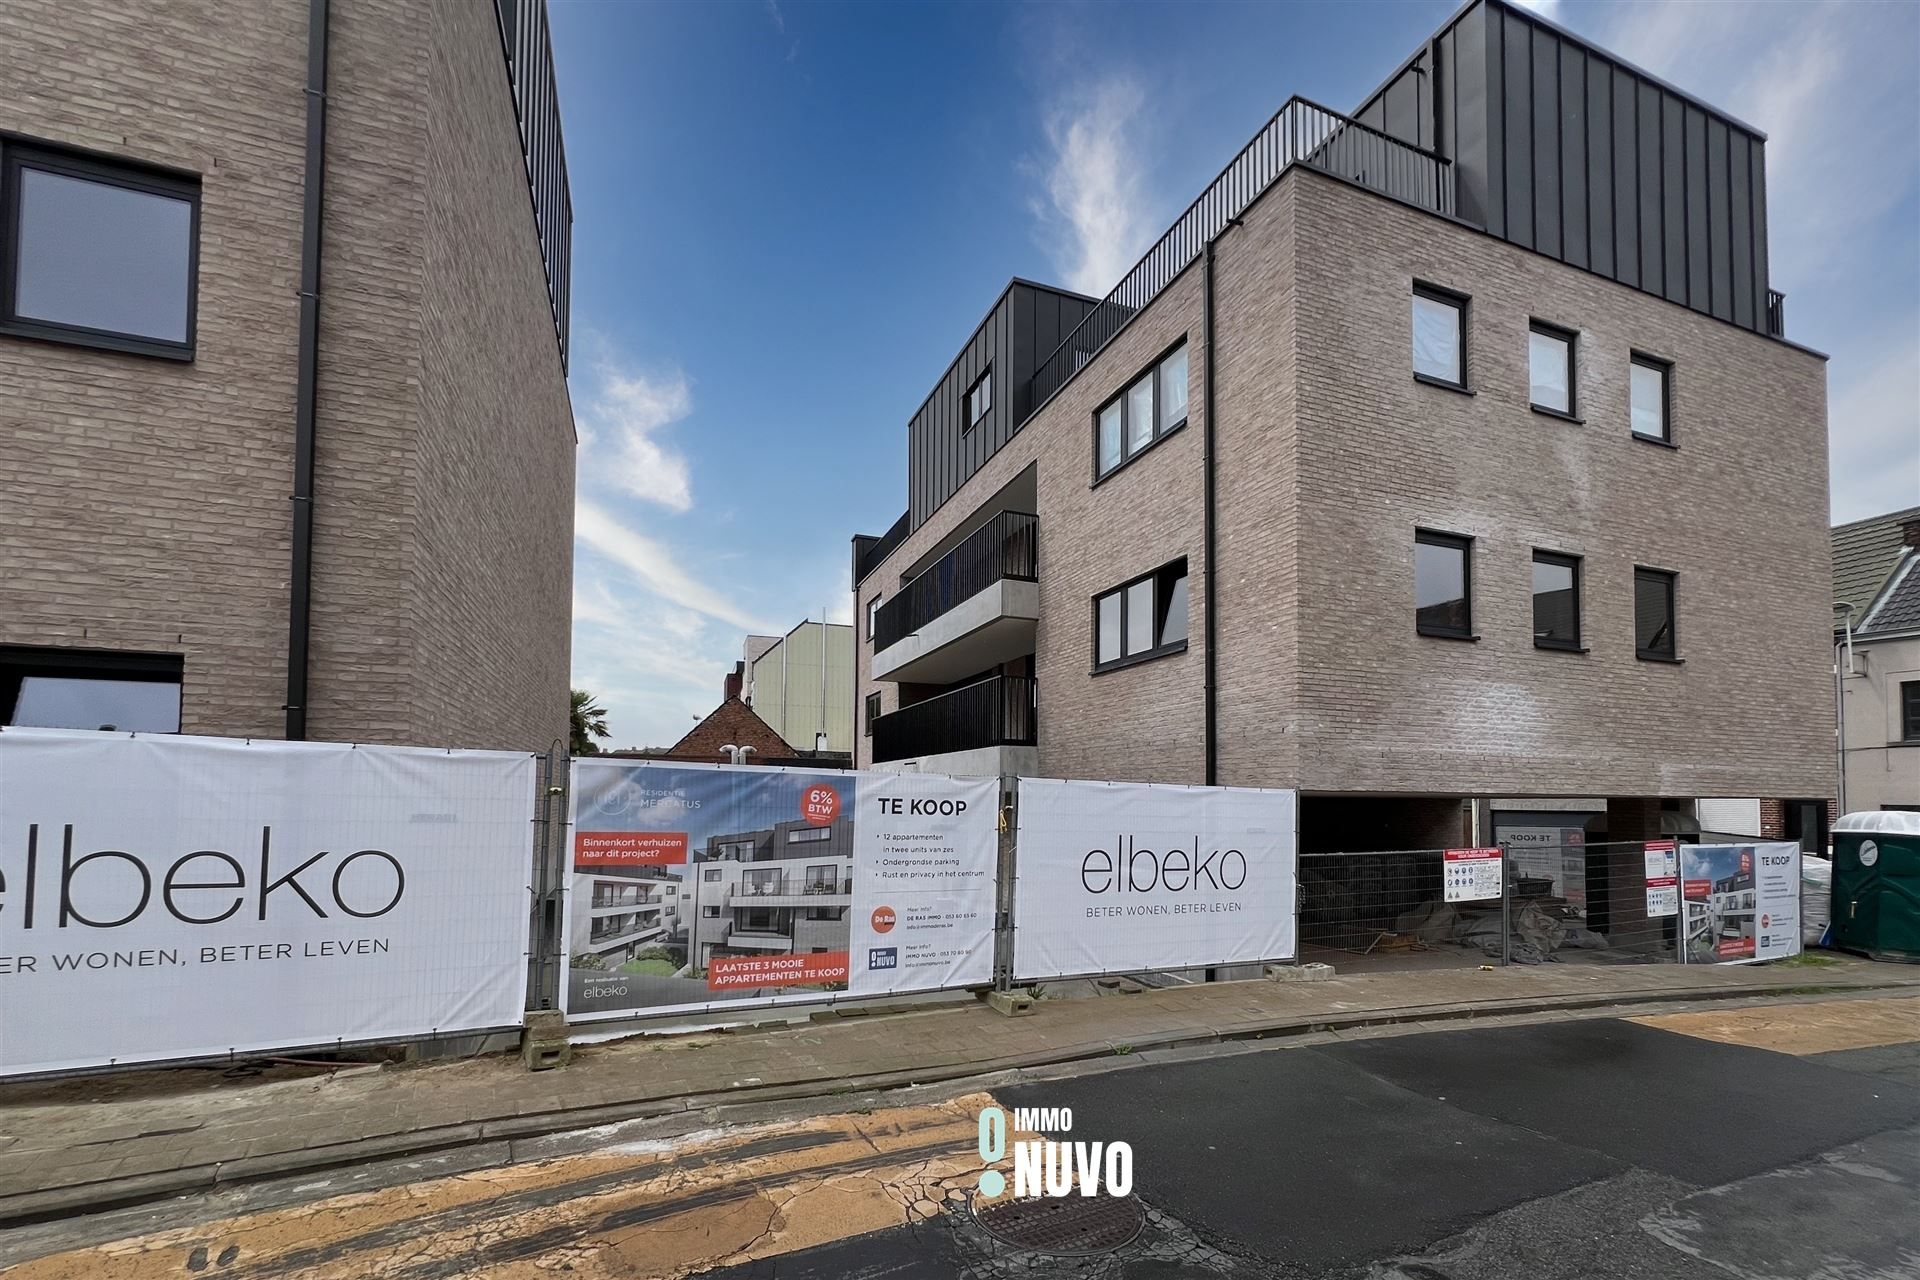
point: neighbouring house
(802, 684)
(286, 446)
(1449, 451)
(734, 724)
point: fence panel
(1396, 909)
(700, 887)
(1133, 878)
(168, 898)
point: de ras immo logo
(1044, 1166)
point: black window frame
(1170, 572)
(1664, 368)
(1547, 329)
(1462, 304)
(870, 711)
(873, 611)
(17, 662)
(17, 153)
(1910, 711)
(967, 413)
(1579, 642)
(1672, 579)
(1462, 543)
(1156, 371)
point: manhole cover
(1070, 1224)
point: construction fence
(204, 898)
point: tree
(589, 722)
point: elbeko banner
(171, 897)
(696, 885)
(1129, 877)
(1740, 901)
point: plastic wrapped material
(1816, 898)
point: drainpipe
(300, 582)
(1210, 663)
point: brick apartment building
(286, 441)
(1452, 450)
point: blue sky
(788, 216)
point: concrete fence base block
(1315, 972)
(544, 1044)
(1014, 1004)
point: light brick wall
(1330, 456)
(146, 501)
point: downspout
(1209, 661)
(300, 582)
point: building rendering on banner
(1451, 450)
(780, 891)
(286, 441)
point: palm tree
(589, 722)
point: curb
(27, 1208)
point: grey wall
(1025, 326)
(1563, 150)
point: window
(1653, 620)
(1154, 405)
(1652, 400)
(1145, 618)
(1910, 710)
(710, 913)
(98, 252)
(1443, 585)
(872, 713)
(979, 398)
(711, 875)
(1440, 336)
(807, 835)
(47, 688)
(873, 616)
(1550, 368)
(1556, 601)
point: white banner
(1128, 878)
(1741, 901)
(169, 897)
(697, 886)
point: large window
(46, 688)
(1556, 600)
(1653, 615)
(979, 398)
(97, 252)
(1440, 336)
(1142, 619)
(873, 615)
(807, 835)
(1550, 368)
(1652, 398)
(1153, 406)
(1910, 711)
(1443, 585)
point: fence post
(1506, 906)
(549, 859)
(1006, 870)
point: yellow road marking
(646, 1210)
(1802, 1028)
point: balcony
(759, 941)
(791, 891)
(974, 608)
(986, 717)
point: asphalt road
(1781, 1141)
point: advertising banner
(1741, 901)
(1128, 878)
(696, 886)
(169, 897)
(1663, 879)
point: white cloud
(1094, 203)
(619, 439)
(653, 565)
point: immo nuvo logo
(1045, 1167)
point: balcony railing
(1003, 547)
(997, 712)
(1776, 314)
(791, 886)
(1301, 132)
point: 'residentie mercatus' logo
(1130, 868)
(110, 888)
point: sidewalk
(80, 1145)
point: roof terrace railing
(1301, 132)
